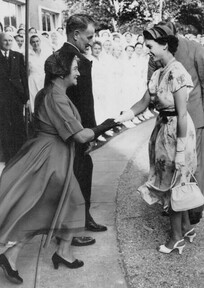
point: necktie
(7, 59)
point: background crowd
(119, 67)
(114, 70)
(117, 60)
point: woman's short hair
(138, 43)
(131, 46)
(60, 28)
(162, 35)
(8, 27)
(32, 28)
(34, 36)
(18, 36)
(58, 65)
(20, 29)
(78, 22)
(45, 34)
(97, 43)
(127, 34)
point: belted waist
(45, 128)
(164, 114)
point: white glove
(126, 116)
(180, 160)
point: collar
(3, 53)
(73, 46)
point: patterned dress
(162, 145)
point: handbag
(185, 196)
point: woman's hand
(136, 109)
(125, 116)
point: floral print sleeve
(178, 77)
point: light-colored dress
(162, 145)
(141, 63)
(129, 83)
(99, 83)
(39, 193)
(36, 74)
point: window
(10, 12)
(48, 20)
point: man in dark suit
(80, 30)
(13, 95)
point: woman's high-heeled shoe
(191, 234)
(10, 274)
(164, 249)
(56, 259)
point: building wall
(36, 6)
(8, 11)
(54, 7)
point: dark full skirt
(39, 193)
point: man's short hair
(78, 22)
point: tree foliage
(103, 11)
(192, 14)
(117, 14)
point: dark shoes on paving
(83, 241)
(91, 225)
(56, 259)
(80, 241)
(10, 274)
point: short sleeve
(62, 116)
(178, 78)
(153, 82)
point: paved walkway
(103, 267)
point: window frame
(55, 17)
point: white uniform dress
(36, 74)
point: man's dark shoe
(91, 225)
(82, 241)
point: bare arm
(141, 105)
(136, 109)
(181, 108)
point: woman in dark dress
(39, 193)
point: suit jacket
(81, 95)
(13, 79)
(191, 55)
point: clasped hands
(105, 126)
(111, 123)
